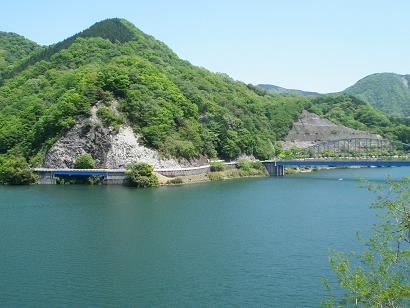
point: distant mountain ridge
(388, 92)
(276, 89)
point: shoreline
(221, 176)
(212, 176)
(221, 171)
(235, 174)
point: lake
(247, 242)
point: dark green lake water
(249, 242)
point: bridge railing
(344, 159)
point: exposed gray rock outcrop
(311, 129)
(111, 148)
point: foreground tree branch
(380, 276)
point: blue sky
(313, 45)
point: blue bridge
(277, 168)
(350, 152)
(345, 163)
(346, 152)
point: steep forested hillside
(387, 91)
(180, 109)
(354, 113)
(13, 49)
(276, 89)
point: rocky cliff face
(311, 129)
(111, 148)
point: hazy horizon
(317, 46)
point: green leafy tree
(14, 170)
(84, 161)
(141, 175)
(217, 166)
(380, 276)
(248, 164)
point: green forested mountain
(13, 49)
(180, 109)
(387, 91)
(276, 89)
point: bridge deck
(344, 163)
(83, 172)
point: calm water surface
(249, 242)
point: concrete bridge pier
(273, 169)
(114, 179)
(47, 178)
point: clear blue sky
(314, 45)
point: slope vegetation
(175, 108)
(179, 109)
(386, 91)
(14, 48)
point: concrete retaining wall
(47, 178)
(192, 170)
(184, 171)
(114, 180)
(117, 176)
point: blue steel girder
(345, 163)
(79, 173)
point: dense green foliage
(379, 276)
(244, 168)
(13, 49)
(109, 117)
(177, 108)
(14, 170)
(115, 30)
(276, 89)
(352, 112)
(244, 164)
(217, 166)
(141, 175)
(84, 161)
(180, 109)
(387, 91)
(250, 168)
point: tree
(84, 161)
(141, 175)
(15, 170)
(380, 276)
